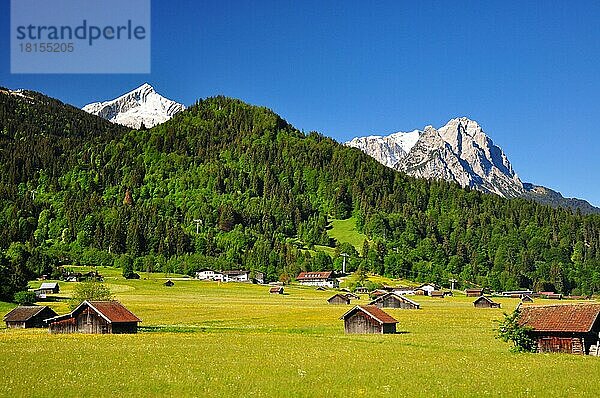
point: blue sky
(528, 71)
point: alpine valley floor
(225, 340)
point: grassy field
(224, 340)
(345, 231)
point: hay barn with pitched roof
(96, 317)
(368, 319)
(393, 300)
(485, 302)
(573, 328)
(28, 316)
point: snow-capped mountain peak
(387, 150)
(141, 105)
(459, 151)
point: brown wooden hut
(276, 290)
(338, 299)
(99, 317)
(437, 293)
(393, 300)
(485, 302)
(169, 283)
(526, 299)
(30, 316)
(352, 296)
(572, 328)
(368, 319)
(474, 292)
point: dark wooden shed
(169, 283)
(572, 328)
(474, 292)
(393, 300)
(526, 299)
(368, 319)
(338, 299)
(30, 316)
(485, 302)
(276, 290)
(352, 296)
(99, 317)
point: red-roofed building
(318, 278)
(368, 319)
(99, 317)
(570, 328)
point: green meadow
(222, 340)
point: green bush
(510, 330)
(25, 297)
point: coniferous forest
(227, 185)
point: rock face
(142, 105)
(459, 152)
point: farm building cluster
(93, 317)
(231, 276)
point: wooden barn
(98, 317)
(368, 319)
(276, 290)
(474, 292)
(48, 288)
(361, 290)
(485, 302)
(526, 299)
(31, 316)
(169, 283)
(437, 294)
(338, 299)
(572, 328)
(352, 296)
(393, 300)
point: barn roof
(398, 296)
(314, 275)
(111, 311)
(49, 285)
(275, 289)
(480, 298)
(560, 318)
(374, 312)
(23, 313)
(343, 297)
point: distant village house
(426, 289)
(315, 278)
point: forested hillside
(77, 189)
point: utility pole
(344, 263)
(198, 222)
(452, 281)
